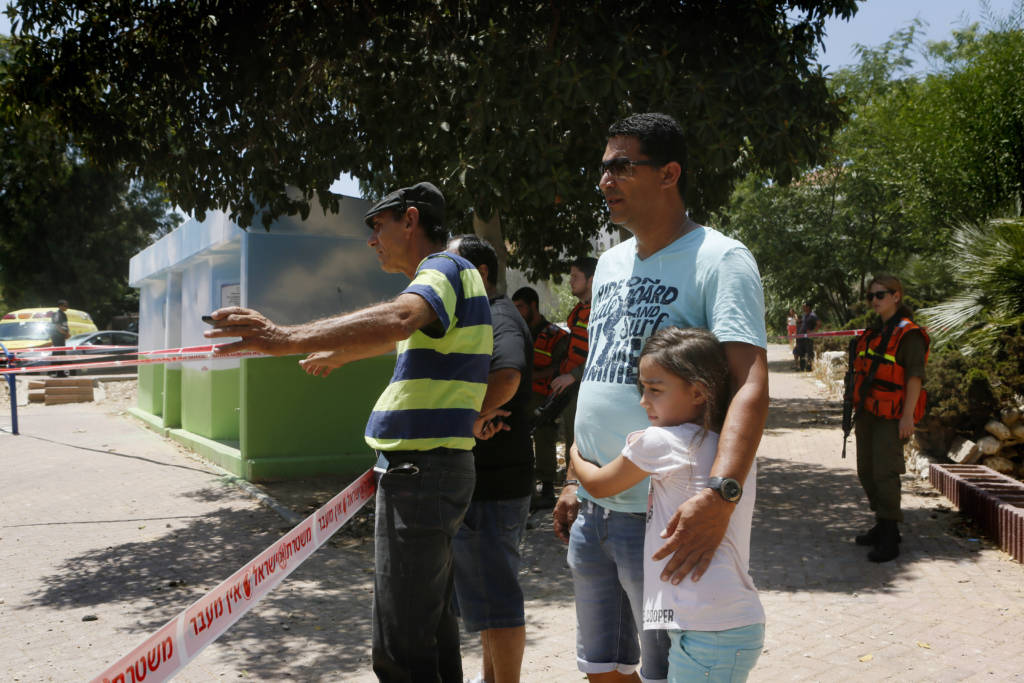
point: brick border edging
(994, 500)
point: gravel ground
(117, 391)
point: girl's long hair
(696, 356)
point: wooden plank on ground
(69, 391)
(56, 400)
(69, 382)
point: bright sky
(874, 22)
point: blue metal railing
(13, 388)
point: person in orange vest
(888, 394)
(550, 344)
(581, 281)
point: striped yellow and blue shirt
(440, 374)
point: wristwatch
(728, 489)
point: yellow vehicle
(28, 328)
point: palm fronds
(988, 265)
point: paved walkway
(107, 531)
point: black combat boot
(887, 543)
(870, 537)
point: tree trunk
(491, 231)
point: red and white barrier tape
(43, 350)
(181, 639)
(181, 349)
(70, 357)
(832, 333)
(189, 353)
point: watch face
(731, 489)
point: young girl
(716, 625)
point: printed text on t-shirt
(627, 312)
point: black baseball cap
(424, 196)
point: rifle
(851, 354)
(552, 407)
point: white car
(108, 343)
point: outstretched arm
(364, 333)
(615, 477)
(698, 526)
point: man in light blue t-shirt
(671, 272)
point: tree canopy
(920, 155)
(504, 105)
(67, 227)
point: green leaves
(989, 271)
(67, 226)
(503, 104)
(918, 156)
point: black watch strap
(729, 489)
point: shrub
(965, 391)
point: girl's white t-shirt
(725, 596)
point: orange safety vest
(887, 391)
(579, 342)
(543, 346)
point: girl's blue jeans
(717, 656)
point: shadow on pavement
(804, 413)
(544, 575)
(314, 626)
(157, 578)
(786, 367)
(807, 516)
(107, 451)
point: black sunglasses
(879, 294)
(621, 167)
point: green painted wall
(151, 388)
(295, 425)
(268, 419)
(172, 397)
(209, 403)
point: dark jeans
(421, 501)
(803, 353)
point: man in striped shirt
(421, 426)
